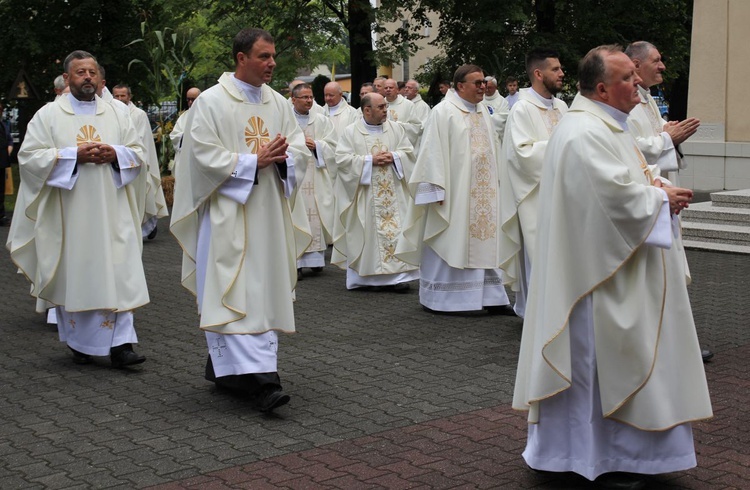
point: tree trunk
(360, 46)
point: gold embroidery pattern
(87, 134)
(656, 121)
(394, 114)
(551, 118)
(108, 324)
(644, 166)
(385, 207)
(482, 213)
(256, 134)
(72, 323)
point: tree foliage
(496, 35)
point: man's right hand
(679, 131)
(679, 198)
(272, 152)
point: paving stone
(384, 395)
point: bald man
(179, 127)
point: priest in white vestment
(609, 367)
(657, 139)
(175, 136)
(314, 203)
(530, 124)
(375, 160)
(242, 155)
(421, 108)
(76, 227)
(457, 216)
(402, 111)
(155, 206)
(497, 105)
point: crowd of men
(574, 208)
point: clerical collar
(549, 103)
(471, 107)
(395, 101)
(333, 109)
(82, 107)
(252, 93)
(302, 119)
(372, 128)
(492, 97)
(617, 114)
(644, 93)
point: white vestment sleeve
(240, 184)
(661, 233)
(428, 193)
(668, 161)
(64, 174)
(366, 178)
(397, 165)
(290, 182)
(319, 162)
(128, 167)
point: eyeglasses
(305, 97)
(381, 106)
(477, 83)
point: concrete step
(705, 212)
(716, 246)
(735, 199)
(716, 233)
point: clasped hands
(272, 152)
(679, 198)
(382, 158)
(98, 153)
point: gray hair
(59, 82)
(639, 50)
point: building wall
(718, 155)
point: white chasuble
(155, 205)
(597, 209)
(483, 192)
(374, 198)
(402, 110)
(250, 271)
(458, 167)
(79, 246)
(647, 127)
(315, 196)
(529, 128)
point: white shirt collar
(617, 114)
(549, 103)
(82, 107)
(251, 92)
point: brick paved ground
(384, 395)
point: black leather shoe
(621, 481)
(402, 287)
(269, 398)
(707, 355)
(316, 270)
(504, 310)
(124, 355)
(4, 221)
(80, 357)
(153, 233)
(299, 275)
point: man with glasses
(314, 204)
(375, 160)
(457, 216)
(530, 124)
